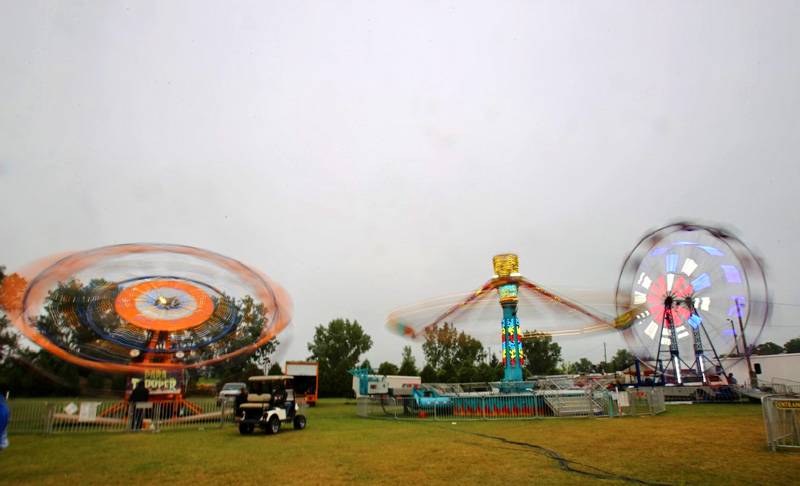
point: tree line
(451, 356)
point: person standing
(5, 416)
(140, 394)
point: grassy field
(689, 444)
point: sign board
(88, 411)
(623, 400)
(159, 381)
(301, 369)
(787, 404)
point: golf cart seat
(252, 406)
(259, 398)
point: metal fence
(541, 404)
(782, 421)
(74, 416)
(783, 386)
(640, 401)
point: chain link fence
(782, 421)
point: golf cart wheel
(273, 425)
(245, 429)
(300, 422)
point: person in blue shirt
(5, 416)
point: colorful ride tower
(506, 267)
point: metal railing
(540, 404)
(74, 416)
(782, 421)
(640, 401)
(784, 386)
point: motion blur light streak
(126, 308)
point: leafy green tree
(622, 360)
(275, 369)
(583, 365)
(337, 347)
(489, 372)
(768, 348)
(542, 355)
(449, 351)
(792, 346)
(408, 367)
(468, 373)
(428, 374)
(366, 364)
(448, 373)
(387, 368)
(568, 368)
(440, 345)
(469, 351)
(497, 368)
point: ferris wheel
(697, 293)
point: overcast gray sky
(368, 155)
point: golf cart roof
(270, 378)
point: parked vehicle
(268, 403)
(230, 391)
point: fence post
(49, 412)
(222, 413)
(155, 417)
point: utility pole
(753, 377)
(605, 356)
(735, 338)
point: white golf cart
(269, 401)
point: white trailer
(387, 384)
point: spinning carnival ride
(678, 293)
(691, 288)
(145, 309)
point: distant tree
(440, 345)
(275, 369)
(567, 368)
(469, 351)
(8, 340)
(366, 364)
(622, 360)
(542, 355)
(428, 374)
(583, 365)
(448, 351)
(337, 347)
(497, 368)
(387, 368)
(768, 348)
(408, 367)
(448, 373)
(792, 346)
(468, 373)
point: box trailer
(306, 380)
(396, 385)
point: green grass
(693, 444)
